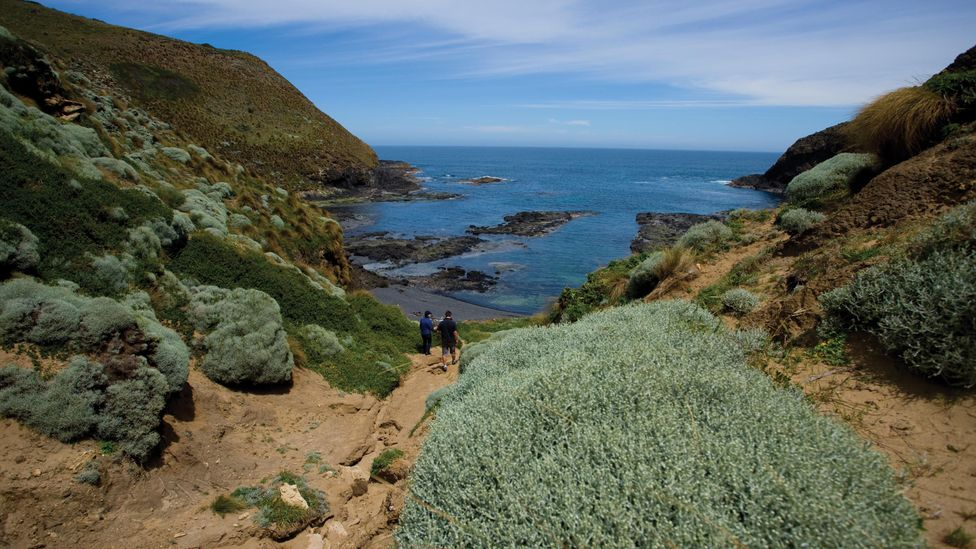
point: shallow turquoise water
(615, 184)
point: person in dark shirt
(449, 339)
(426, 331)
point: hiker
(449, 339)
(426, 331)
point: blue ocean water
(616, 184)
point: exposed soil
(216, 440)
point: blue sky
(750, 75)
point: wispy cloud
(570, 122)
(745, 52)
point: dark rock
(30, 74)
(965, 61)
(530, 223)
(454, 279)
(659, 230)
(802, 155)
(483, 180)
(420, 249)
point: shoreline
(414, 301)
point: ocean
(616, 184)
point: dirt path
(219, 439)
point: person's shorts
(448, 349)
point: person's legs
(453, 354)
(427, 341)
(445, 351)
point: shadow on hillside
(276, 389)
(867, 353)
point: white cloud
(570, 122)
(755, 52)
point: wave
(722, 181)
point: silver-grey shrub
(642, 426)
(18, 247)
(800, 220)
(923, 311)
(706, 236)
(132, 410)
(319, 342)
(740, 301)
(643, 277)
(830, 178)
(246, 342)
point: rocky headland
(659, 230)
(802, 155)
(530, 223)
(389, 181)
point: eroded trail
(217, 440)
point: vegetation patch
(797, 221)
(148, 82)
(473, 331)
(830, 180)
(374, 336)
(384, 460)
(281, 519)
(744, 273)
(603, 288)
(709, 236)
(739, 301)
(701, 450)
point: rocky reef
(530, 223)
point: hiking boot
(444, 366)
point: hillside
(229, 102)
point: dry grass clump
(900, 124)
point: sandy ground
(216, 440)
(414, 301)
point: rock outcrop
(802, 155)
(659, 230)
(530, 223)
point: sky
(739, 75)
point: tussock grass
(900, 124)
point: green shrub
(900, 124)
(708, 236)
(743, 273)
(642, 426)
(384, 460)
(830, 179)
(18, 247)
(953, 230)
(90, 474)
(959, 87)
(644, 278)
(245, 341)
(71, 220)
(924, 312)
(739, 301)
(319, 343)
(799, 220)
(273, 512)
(603, 287)
(378, 333)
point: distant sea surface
(615, 184)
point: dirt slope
(217, 440)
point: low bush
(743, 273)
(90, 474)
(121, 404)
(923, 311)
(739, 301)
(603, 288)
(644, 278)
(642, 426)
(18, 247)
(384, 460)
(657, 267)
(958, 87)
(245, 342)
(706, 237)
(900, 124)
(830, 179)
(797, 221)
(319, 344)
(953, 230)
(273, 513)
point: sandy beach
(414, 301)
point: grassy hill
(230, 102)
